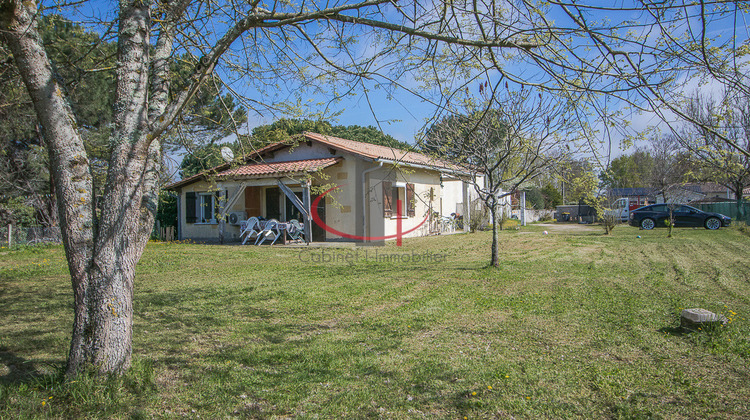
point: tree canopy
(503, 143)
(714, 159)
(284, 128)
(85, 61)
(629, 170)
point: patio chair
(296, 231)
(270, 230)
(249, 228)
(447, 224)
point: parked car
(649, 217)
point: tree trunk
(739, 203)
(494, 260)
(124, 228)
(68, 159)
(102, 261)
(671, 222)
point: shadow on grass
(20, 370)
(674, 331)
(15, 300)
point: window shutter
(387, 198)
(252, 201)
(190, 198)
(411, 203)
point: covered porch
(219, 208)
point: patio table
(283, 228)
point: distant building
(638, 197)
(695, 192)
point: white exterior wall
(426, 194)
(452, 197)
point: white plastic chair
(250, 228)
(297, 231)
(447, 224)
(270, 229)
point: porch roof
(279, 168)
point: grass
(572, 325)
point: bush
(16, 212)
(478, 219)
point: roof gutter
(418, 166)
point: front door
(273, 203)
(318, 233)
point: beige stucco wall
(341, 204)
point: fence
(166, 234)
(728, 208)
(13, 235)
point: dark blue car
(657, 215)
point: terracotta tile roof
(224, 166)
(278, 168)
(374, 151)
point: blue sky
(403, 114)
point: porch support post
(308, 211)
(303, 207)
(225, 208)
(293, 198)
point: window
(206, 208)
(392, 193)
(202, 207)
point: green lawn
(572, 324)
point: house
(713, 190)
(694, 192)
(359, 191)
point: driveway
(568, 227)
